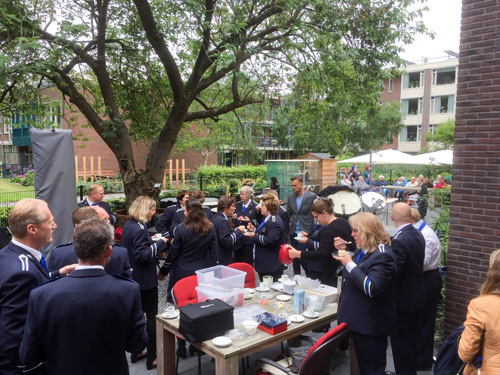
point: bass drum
(345, 201)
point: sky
(444, 19)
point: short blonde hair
(93, 188)
(26, 211)
(415, 215)
(371, 230)
(271, 202)
(140, 207)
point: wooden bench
(104, 175)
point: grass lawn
(10, 192)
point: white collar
(37, 254)
(95, 267)
(90, 202)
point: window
(412, 107)
(7, 125)
(444, 76)
(432, 128)
(53, 117)
(410, 133)
(413, 80)
(390, 85)
(443, 104)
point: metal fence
(11, 197)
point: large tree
(140, 70)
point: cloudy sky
(444, 19)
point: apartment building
(427, 93)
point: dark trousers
(149, 301)
(370, 353)
(297, 262)
(244, 254)
(404, 343)
(427, 319)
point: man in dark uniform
(95, 198)
(84, 323)
(165, 220)
(64, 255)
(408, 246)
(246, 212)
(22, 267)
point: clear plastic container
(234, 297)
(221, 277)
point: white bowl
(250, 326)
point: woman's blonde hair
(492, 283)
(271, 202)
(140, 207)
(371, 230)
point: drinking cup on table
(268, 280)
(170, 310)
(310, 310)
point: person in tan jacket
(482, 326)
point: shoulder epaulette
(64, 244)
(122, 277)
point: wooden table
(226, 359)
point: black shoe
(182, 352)
(138, 357)
(151, 365)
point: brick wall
(475, 200)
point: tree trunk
(139, 183)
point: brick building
(475, 200)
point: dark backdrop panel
(54, 162)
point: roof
(319, 155)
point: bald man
(408, 246)
(63, 255)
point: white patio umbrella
(383, 157)
(436, 157)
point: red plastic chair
(184, 292)
(245, 267)
(317, 359)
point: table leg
(165, 349)
(228, 366)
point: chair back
(317, 359)
(184, 291)
(245, 267)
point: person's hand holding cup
(302, 237)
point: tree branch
(191, 116)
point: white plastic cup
(250, 326)
(267, 280)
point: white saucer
(296, 318)
(288, 322)
(281, 280)
(262, 288)
(249, 290)
(283, 298)
(222, 341)
(249, 296)
(312, 316)
(174, 315)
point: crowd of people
(361, 182)
(390, 286)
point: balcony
(21, 136)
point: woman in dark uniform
(367, 301)
(165, 220)
(322, 210)
(142, 252)
(311, 240)
(268, 238)
(193, 248)
(226, 237)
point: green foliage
(117, 204)
(444, 135)
(109, 186)
(4, 214)
(218, 180)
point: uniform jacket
(367, 302)
(142, 253)
(408, 246)
(251, 213)
(102, 204)
(64, 255)
(268, 240)
(20, 272)
(226, 238)
(482, 334)
(179, 217)
(83, 324)
(165, 220)
(312, 244)
(189, 253)
(303, 215)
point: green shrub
(216, 179)
(4, 214)
(117, 204)
(109, 186)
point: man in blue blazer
(84, 323)
(22, 268)
(95, 198)
(64, 255)
(408, 246)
